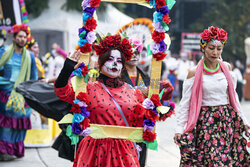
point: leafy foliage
(234, 17)
(36, 7)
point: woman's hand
(177, 137)
(75, 57)
(247, 129)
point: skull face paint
(113, 66)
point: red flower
(150, 114)
(159, 56)
(90, 24)
(166, 19)
(213, 32)
(149, 136)
(156, 99)
(94, 3)
(160, 3)
(85, 123)
(82, 97)
(75, 108)
(86, 48)
(206, 35)
(85, 71)
(222, 35)
(158, 36)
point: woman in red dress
(113, 53)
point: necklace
(208, 71)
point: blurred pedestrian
(18, 66)
(237, 71)
(211, 111)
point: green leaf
(73, 137)
(170, 3)
(151, 145)
(164, 26)
(162, 91)
(82, 35)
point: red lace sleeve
(65, 93)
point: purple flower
(163, 46)
(80, 30)
(150, 128)
(148, 122)
(84, 112)
(86, 132)
(158, 27)
(90, 11)
(164, 10)
(85, 4)
(91, 37)
(154, 47)
(81, 65)
(76, 128)
(148, 104)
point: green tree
(36, 7)
(234, 17)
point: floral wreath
(30, 41)
(153, 111)
(213, 33)
(20, 27)
(117, 42)
(87, 36)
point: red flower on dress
(90, 24)
(158, 36)
(94, 3)
(206, 35)
(166, 19)
(160, 3)
(149, 136)
(156, 99)
(75, 108)
(86, 48)
(85, 123)
(222, 35)
(159, 56)
(85, 70)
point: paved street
(167, 155)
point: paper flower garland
(24, 12)
(161, 21)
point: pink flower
(241, 156)
(239, 148)
(222, 141)
(209, 144)
(211, 120)
(230, 130)
(224, 157)
(233, 114)
(237, 124)
(190, 136)
(214, 142)
(207, 136)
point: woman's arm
(62, 89)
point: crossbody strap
(117, 105)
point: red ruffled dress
(106, 152)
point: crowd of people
(210, 122)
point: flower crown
(116, 42)
(30, 41)
(213, 33)
(20, 27)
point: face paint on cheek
(216, 42)
(113, 67)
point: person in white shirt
(210, 122)
(183, 68)
(239, 88)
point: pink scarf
(196, 97)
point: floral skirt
(216, 140)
